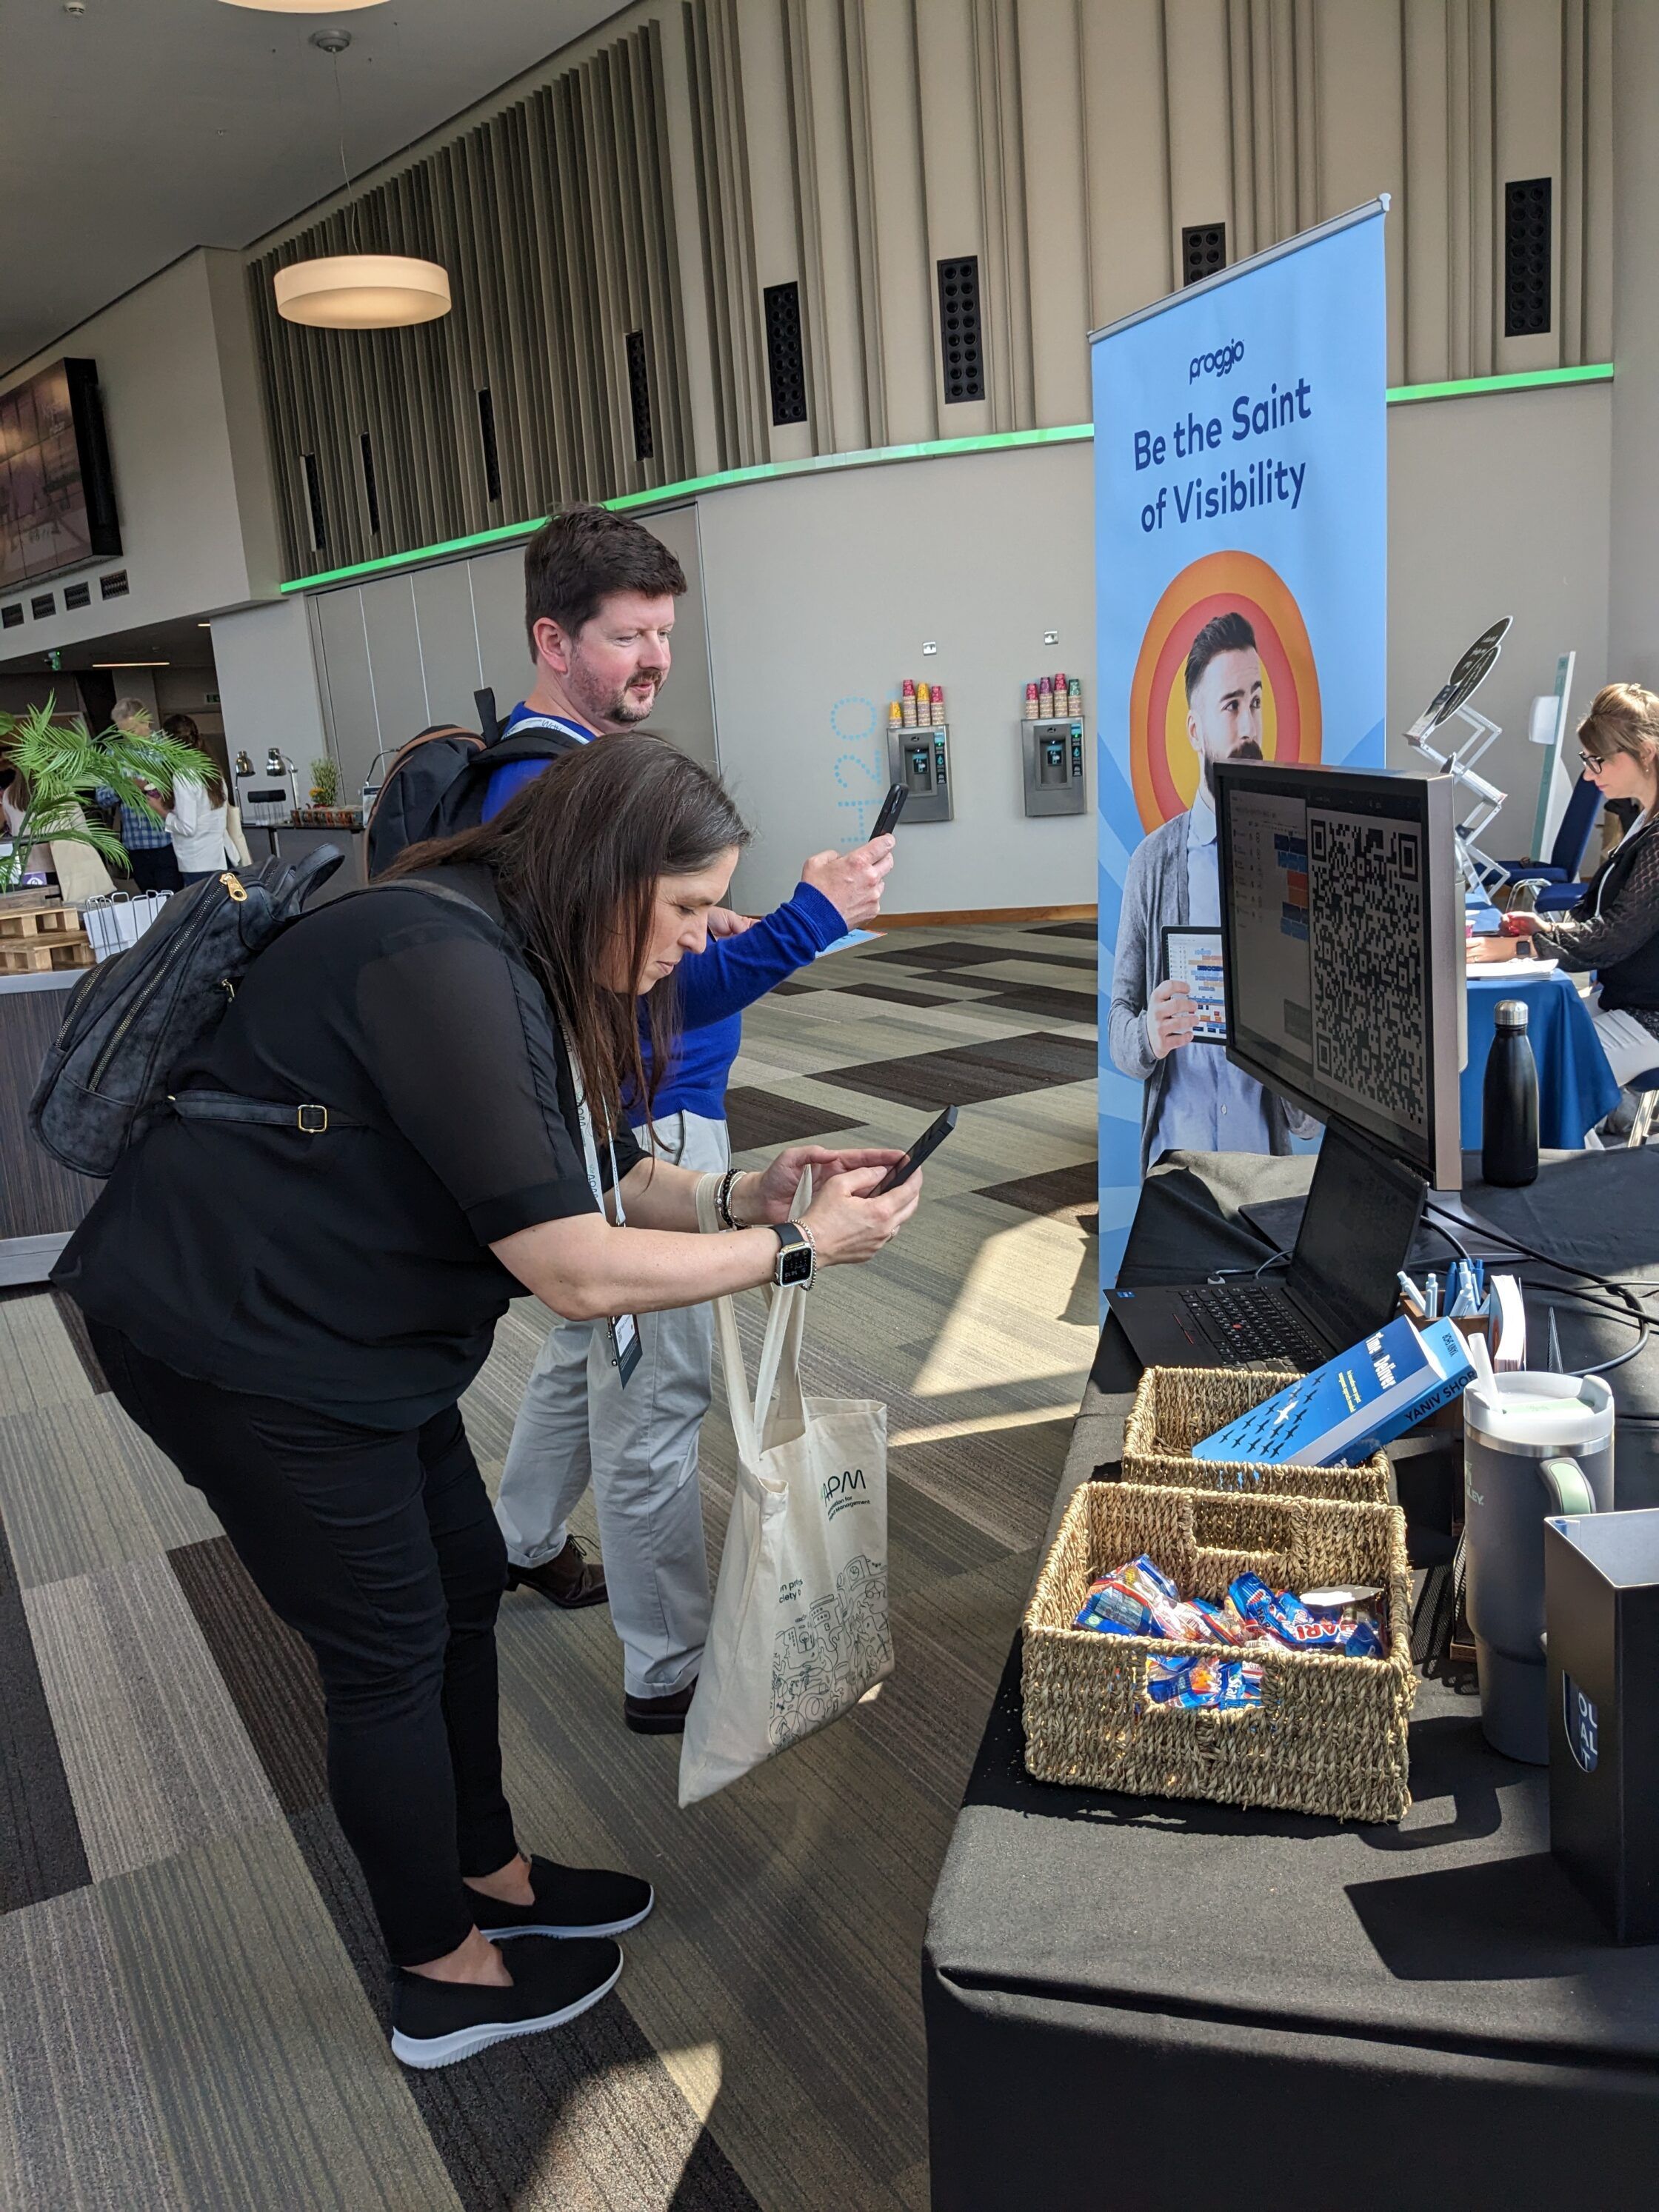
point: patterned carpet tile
(41, 1853)
(950, 953)
(1054, 1005)
(762, 1117)
(75, 1327)
(1062, 1191)
(963, 1074)
(1085, 932)
(86, 2128)
(273, 2079)
(156, 1756)
(584, 2120)
(82, 1488)
(269, 1672)
(38, 1355)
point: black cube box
(1601, 1606)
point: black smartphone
(891, 807)
(926, 1145)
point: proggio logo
(1222, 362)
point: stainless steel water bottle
(1508, 1124)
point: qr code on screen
(1367, 929)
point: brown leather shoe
(567, 1579)
(659, 1716)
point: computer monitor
(1342, 949)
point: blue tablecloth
(1576, 1089)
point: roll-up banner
(1240, 518)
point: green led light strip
(933, 449)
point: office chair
(1555, 880)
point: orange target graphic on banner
(1164, 766)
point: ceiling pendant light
(362, 292)
(305, 7)
(355, 291)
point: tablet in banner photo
(1241, 545)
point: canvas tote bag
(800, 1629)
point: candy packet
(1203, 1681)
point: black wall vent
(11, 618)
(1527, 258)
(492, 459)
(960, 340)
(371, 490)
(44, 607)
(784, 365)
(1203, 250)
(314, 501)
(639, 396)
(76, 595)
(113, 586)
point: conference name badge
(624, 1346)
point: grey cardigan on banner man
(1155, 899)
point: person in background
(142, 829)
(77, 868)
(599, 595)
(1614, 928)
(197, 815)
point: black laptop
(1361, 1216)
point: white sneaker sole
(425, 2051)
(547, 1927)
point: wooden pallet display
(40, 955)
(37, 940)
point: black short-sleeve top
(350, 1270)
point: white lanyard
(590, 1150)
(549, 722)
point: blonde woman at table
(1614, 928)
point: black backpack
(436, 785)
(131, 1020)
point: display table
(40, 1203)
(1576, 1089)
(1131, 2000)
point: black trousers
(383, 1553)
(155, 868)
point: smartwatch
(796, 1261)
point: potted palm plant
(61, 765)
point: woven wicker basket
(1175, 1406)
(1329, 1733)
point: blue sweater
(714, 986)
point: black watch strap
(793, 1239)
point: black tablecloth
(1141, 1999)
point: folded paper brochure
(1350, 1408)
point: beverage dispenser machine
(1051, 756)
(919, 759)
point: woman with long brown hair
(410, 1113)
(1614, 928)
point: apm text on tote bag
(800, 1629)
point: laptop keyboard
(1246, 1324)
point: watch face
(796, 1266)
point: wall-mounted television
(56, 496)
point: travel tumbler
(1509, 1125)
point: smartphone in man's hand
(891, 807)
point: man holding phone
(599, 593)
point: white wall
(817, 593)
(1635, 520)
(268, 684)
(198, 532)
(1498, 505)
(822, 591)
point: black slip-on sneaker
(569, 1901)
(436, 2023)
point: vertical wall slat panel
(670, 165)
